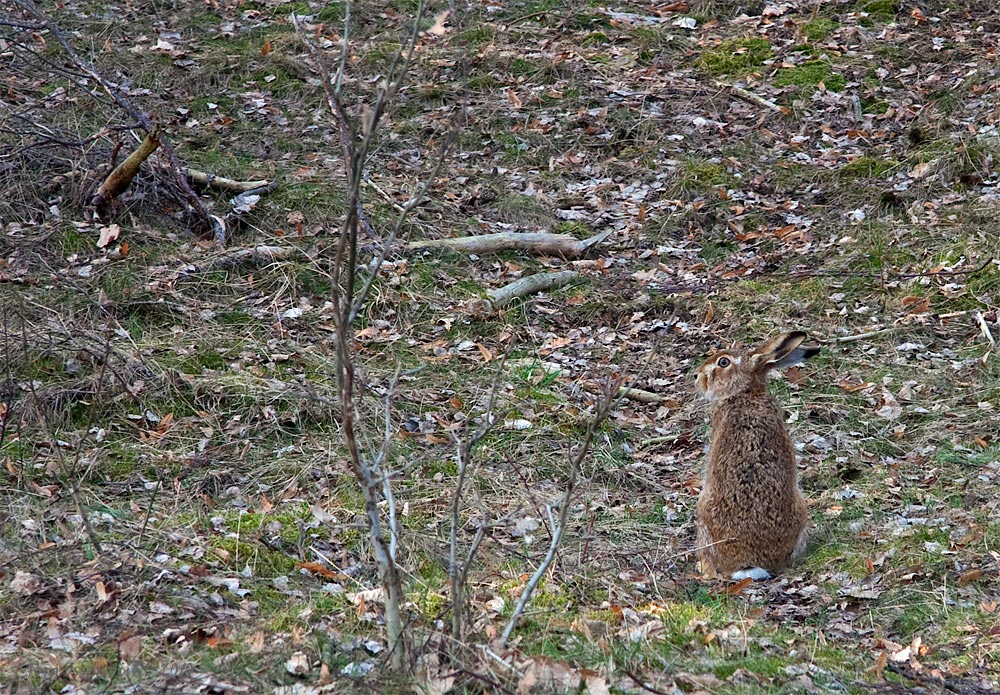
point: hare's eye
(723, 362)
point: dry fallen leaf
(438, 28)
(548, 675)
(297, 664)
(738, 587)
(25, 584)
(916, 305)
(890, 409)
(108, 234)
(130, 646)
(367, 596)
(921, 170)
(597, 685)
(969, 576)
(255, 642)
(320, 569)
(431, 679)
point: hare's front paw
(755, 573)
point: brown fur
(750, 511)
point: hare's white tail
(755, 573)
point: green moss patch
(810, 75)
(737, 56)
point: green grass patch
(868, 168)
(736, 56)
(696, 174)
(818, 29)
(881, 11)
(522, 209)
(810, 74)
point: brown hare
(751, 513)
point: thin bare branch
(465, 464)
(557, 528)
(69, 471)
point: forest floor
(829, 167)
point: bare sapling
(352, 281)
(557, 526)
(68, 469)
(465, 464)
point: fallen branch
(543, 243)
(254, 256)
(641, 396)
(221, 183)
(523, 287)
(888, 274)
(863, 336)
(755, 99)
(121, 176)
(388, 198)
(653, 441)
(118, 96)
(958, 685)
(630, 393)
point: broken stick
(221, 183)
(121, 176)
(752, 98)
(539, 282)
(543, 243)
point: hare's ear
(784, 350)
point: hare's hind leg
(800, 545)
(705, 550)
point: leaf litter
(862, 214)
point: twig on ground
(959, 686)
(254, 256)
(752, 98)
(388, 198)
(863, 336)
(543, 243)
(644, 686)
(985, 329)
(221, 183)
(632, 394)
(653, 441)
(890, 275)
